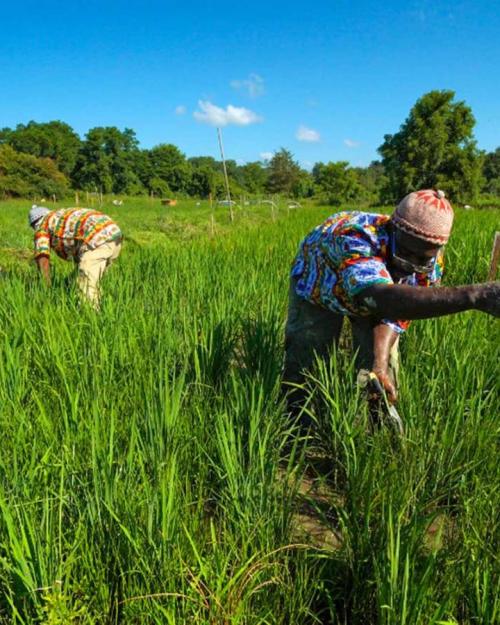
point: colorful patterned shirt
(72, 231)
(343, 256)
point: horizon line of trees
(434, 147)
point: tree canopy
(491, 172)
(337, 182)
(434, 147)
(24, 175)
(55, 140)
(283, 173)
(106, 161)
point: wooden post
(226, 179)
(495, 257)
(212, 216)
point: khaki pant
(312, 331)
(91, 267)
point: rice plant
(146, 474)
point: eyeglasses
(407, 265)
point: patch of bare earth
(314, 519)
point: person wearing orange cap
(376, 270)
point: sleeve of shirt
(399, 326)
(437, 274)
(360, 266)
(42, 243)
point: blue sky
(324, 79)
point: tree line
(434, 147)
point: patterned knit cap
(36, 213)
(425, 214)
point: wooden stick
(212, 215)
(495, 257)
(226, 179)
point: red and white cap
(425, 214)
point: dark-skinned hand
(388, 386)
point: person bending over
(375, 270)
(89, 238)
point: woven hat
(425, 214)
(36, 213)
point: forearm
(401, 301)
(43, 265)
(384, 338)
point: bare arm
(43, 264)
(384, 338)
(401, 301)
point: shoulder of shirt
(79, 209)
(359, 215)
(358, 220)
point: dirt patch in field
(314, 517)
(316, 505)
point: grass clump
(142, 477)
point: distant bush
(24, 175)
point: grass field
(141, 479)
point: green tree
(283, 173)
(372, 180)
(159, 187)
(141, 165)
(207, 177)
(337, 182)
(204, 161)
(304, 185)
(491, 172)
(253, 177)
(55, 140)
(434, 147)
(24, 175)
(169, 164)
(232, 168)
(106, 161)
(202, 181)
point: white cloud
(254, 85)
(351, 144)
(180, 110)
(266, 156)
(231, 115)
(307, 134)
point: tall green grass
(143, 473)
